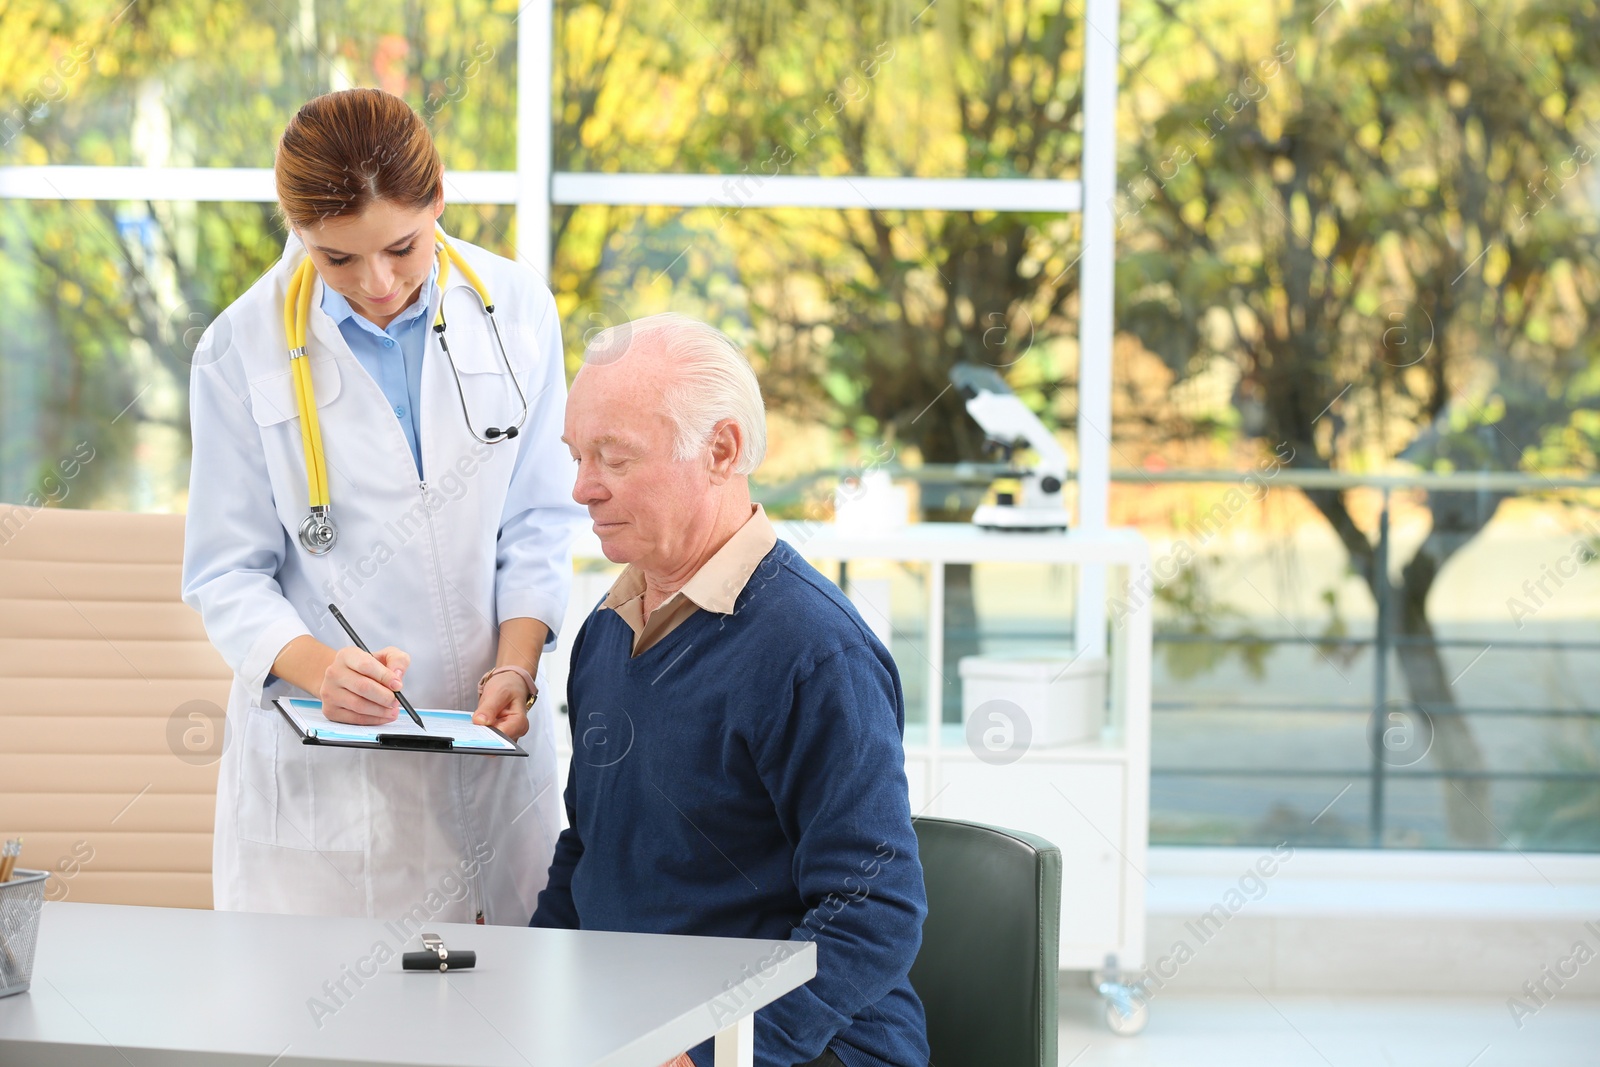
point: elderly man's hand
(504, 705)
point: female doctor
(348, 450)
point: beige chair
(111, 705)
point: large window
(1357, 263)
(1351, 395)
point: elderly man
(737, 766)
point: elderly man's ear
(727, 445)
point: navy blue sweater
(744, 777)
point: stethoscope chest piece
(317, 532)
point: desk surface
(133, 987)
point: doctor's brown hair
(345, 150)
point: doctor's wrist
(519, 672)
(304, 663)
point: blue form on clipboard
(444, 725)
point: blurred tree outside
(128, 287)
(1374, 217)
(1376, 220)
(1384, 224)
(859, 314)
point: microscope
(1011, 426)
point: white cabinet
(1090, 799)
(1078, 806)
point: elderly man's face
(641, 500)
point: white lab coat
(430, 567)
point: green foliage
(856, 316)
(1385, 206)
(1193, 610)
(1377, 215)
(1289, 181)
(126, 288)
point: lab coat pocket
(272, 396)
(257, 803)
(309, 797)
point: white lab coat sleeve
(233, 542)
(533, 560)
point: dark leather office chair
(986, 972)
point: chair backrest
(111, 702)
(986, 972)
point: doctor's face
(378, 259)
(645, 505)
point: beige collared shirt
(714, 587)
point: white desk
(140, 987)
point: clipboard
(451, 732)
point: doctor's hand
(359, 687)
(504, 705)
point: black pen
(404, 703)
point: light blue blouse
(391, 355)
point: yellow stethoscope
(317, 532)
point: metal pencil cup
(21, 901)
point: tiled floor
(1303, 1031)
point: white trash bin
(1064, 699)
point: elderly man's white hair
(713, 380)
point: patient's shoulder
(792, 601)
